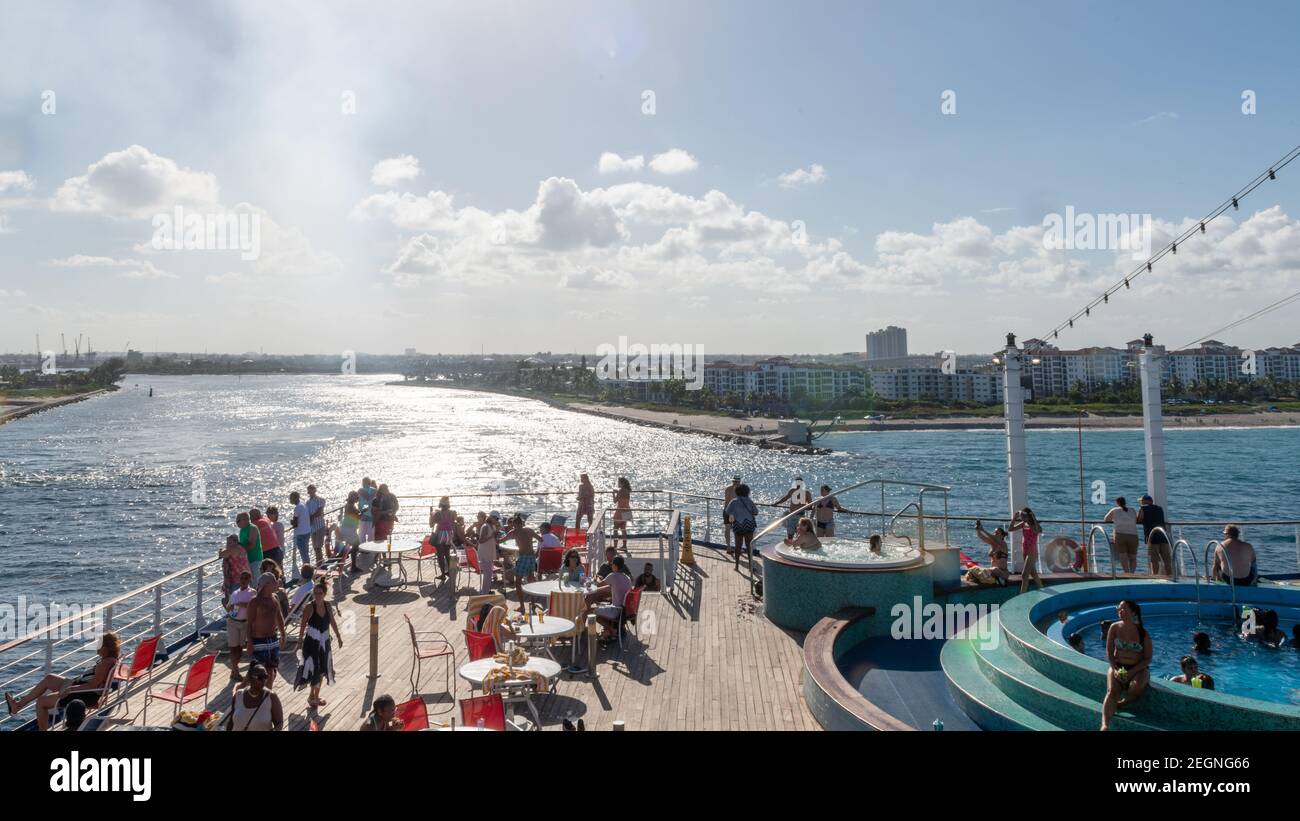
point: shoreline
(732, 428)
(619, 413)
(11, 411)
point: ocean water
(98, 497)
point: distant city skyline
(314, 177)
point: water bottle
(938, 725)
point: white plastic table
(383, 574)
(541, 632)
(475, 671)
(544, 589)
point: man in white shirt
(301, 527)
(303, 591)
(1125, 539)
(237, 621)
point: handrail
(1196, 570)
(882, 482)
(1168, 540)
(1226, 560)
(920, 522)
(1109, 544)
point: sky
(748, 176)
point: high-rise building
(887, 343)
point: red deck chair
(195, 685)
(414, 715)
(141, 667)
(490, 708)
(550, 560)
(480, 645)
(631, 606)
(427, 551)
(471, 558)
(430, 644)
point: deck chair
(414, 715)
(490, 708)
(431, 644)
(195, 685)
(104, 692)
(428, 551)
(471, 562)
(569, 604)
(479, 645)
(549, 560)
(475, 603)
(631, 607)
(141, 667)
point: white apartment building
(934, 385)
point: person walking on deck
(526, 563)
(586, 501)
(798, 496)
(255, 708)
(728, 493)
(743, 515)
(265, 619)
(314, 639)
(301, 523)
(489, 534)
(1150, 516)
(442, 521)
(316, 515)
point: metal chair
(431, 648)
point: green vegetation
(36, 385)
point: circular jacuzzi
(854, 554)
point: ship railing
(64, 639)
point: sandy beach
(767, 427)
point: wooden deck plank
(725, 669)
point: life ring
(1061, 553)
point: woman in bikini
(622, 509)
(1128, 649)
(804, 538)
(998, 555)
(55, 692)
(1030, 530)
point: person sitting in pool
(1076, 641)
(804, 538)
(1234, 560)
(1192, 675)
(1105, 629)
(873, 544)
(1266, 630)
(1128, 649)
(1201, 643)
(997, 542)
(1295, 636)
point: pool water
(842, 552)
(1241, 667)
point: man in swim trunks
(1234, 560)
(264, 620)
(526, 563)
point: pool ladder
(1196, 570)
(1205, 558)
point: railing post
(157, 610)
(920, 523)
(198, 600)
(49, 652)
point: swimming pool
(841, 552)
(1238, 666)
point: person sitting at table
(383, 716)
(53, 692)
(607, 598)
(607, 566)
(494, 620)
(571, 572)
(804, 538)
(647, 580)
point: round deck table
(383, 574)
(544, 589)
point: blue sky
(510, 237)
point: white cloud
(595, 279)
(135, 183)
(390, 172)
(1158, 117)
(15, 181)
(801, 177)
(611, 163)
(673, 161)
(131, 268)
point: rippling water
(96, 497)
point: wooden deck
(713, 663)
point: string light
(1172, 247)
